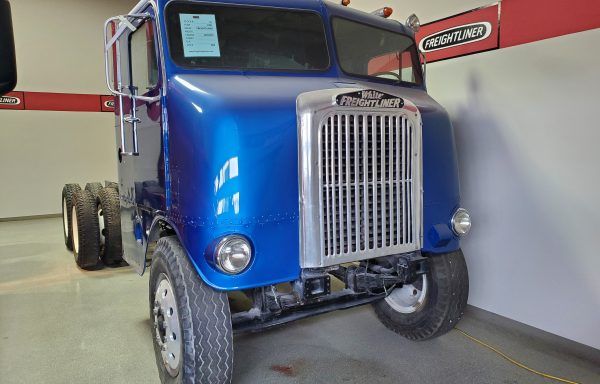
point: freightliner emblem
(9, 100)
(452, 37)
(369, 99)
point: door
(141, 173)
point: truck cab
(286, 152)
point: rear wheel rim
(65, 217)
(167, 330)
(409, 298)
(75, 226)
(101, 224)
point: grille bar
(366, 186)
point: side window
(144, 62)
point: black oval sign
(452, 37)
(109, 103)
(9, 100)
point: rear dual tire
(94, 188)
(67, 208)
(93, 227)
(85, 229)
(109, 220)
(432, 305)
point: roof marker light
(345, 3)
(383, 12)
(413, 23)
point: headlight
(461, 222)
(233, 254)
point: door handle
(132, 119)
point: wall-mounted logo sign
(9, 100)
(369, 98)
(459, 35)
(108, 103)
(452, 37)
(12, 100)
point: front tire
(193, 339)
(432, 305)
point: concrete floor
(59, 324)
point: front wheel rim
(409, 298)
(167, 330)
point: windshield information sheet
(199, 35)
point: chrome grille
(366, 182)
(360, 180)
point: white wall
(59, 49)
(526, 121)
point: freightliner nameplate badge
(369, 99)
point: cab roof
(333, 8)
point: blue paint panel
(231, 158)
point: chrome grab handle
(111, 41)
(122, 26)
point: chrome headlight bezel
(233, 254)
(461, 222)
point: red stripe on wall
(525, 21)
(42, 101)
(66, 102)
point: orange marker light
(345, 3)
(383, 12)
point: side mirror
(8, 62)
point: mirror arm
(424, 67)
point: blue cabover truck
(277, 159)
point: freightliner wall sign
(459, 35)
(452, 37)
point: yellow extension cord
(513, 361)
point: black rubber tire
(111, 184)
(94, 188)
(448, 285)
(67, 203)
(204, 315)
(109, 210)
(87, 252)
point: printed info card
(199, 35)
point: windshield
(217, 36)
(373, 52)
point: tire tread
(204, 313)
(445, 306)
